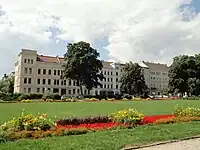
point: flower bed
(39, 126)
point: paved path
(193, 144)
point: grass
(111, 140)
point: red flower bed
(110, 125)
(93, 126)
(152, 119)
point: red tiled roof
(50, 59)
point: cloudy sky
(121, 30)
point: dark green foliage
(132, 81)
(82, 65)
(9, 96)
(7, 84)
(184, 75)
(51, 96)
(85, 120)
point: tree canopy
(132, 80)
(7, 84)
(184, 74)
(82, 65)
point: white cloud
(136, 29)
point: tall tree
(82, 65)
(181, 73)
(132, 80)
(7, 84)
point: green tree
(82, 65)
(7, 84)
(132, 80)
(194, 86)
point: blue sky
(131, 30)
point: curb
(159, 143)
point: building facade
(38, 74)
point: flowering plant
(26, 101)
(28, 122)
(130, 116)
(187, 112)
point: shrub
(35, 96)
(129, 116)
(187, 112)
(51, 96)
(24, 96)
(9, 96)
(28, 122)
(26, 101)
(191, 98)
(86, 120)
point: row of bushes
(191, 98)
(24, 96)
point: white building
(37, 73)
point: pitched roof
(50, 59)
(156, 65)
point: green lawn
(111, 140)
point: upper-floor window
(70, 82)
(49, 72)
(108, 72)
(30, 70)
(31, 61)
(44, 71)
(74, 91)
(65, 82)
(28, 61)
(108, 79)
(111, 73)
(116, 73)
(25, 80)
(38, 81)
(55, 72)
(44, 81)
(111, 80)
(116, 79)
(55, 81)
(104, 72)
(58, 82)
(26, 70)
(117, 86)
(29, 80)
(39, 71)
(58, 72)
(25, 60)
(49, 81)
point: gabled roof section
(50, 59)
(156, 65)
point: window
(25, 80)
(74, 83)
(25, 61)
(58, 72)
(111, 80)
(104, 86)
(111, 86)
(77, 84)
(88, 92)
(38, 81)
(116, 79)
(108, 86)
(30, 70)
(44, 81)
(26, 70)
(108, 72)
(49, 90)
(116, 73)
(104, 72)
(108, 80)
(44, 71)
(85, 91)
(78, 91)
(54, 82)
(38, 90)
(28, 61)
(55, 72)
(105, 79)
(69, 91)
(31, 61)
(74, 91)
(29, 80)
(70, 83)
(111, 73)
(58, 82)
(117, 86)
(43, 90)
(65, 83)
(29, 90)
(39, 71)
(49, 81)
(61, 82)
(49, 72)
